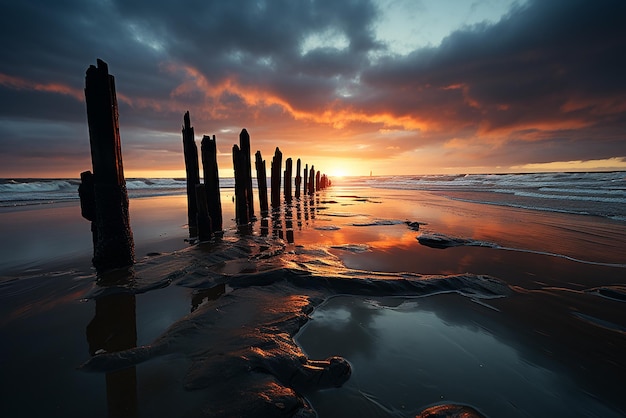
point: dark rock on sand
(442, 241)
(415, 226)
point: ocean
(600, 194)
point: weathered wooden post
(193, 173)
(203, 220)
(212, 181)
(261, 178)
(298, 178)
(305, 187)
(325, 181)
(104, 197)
(88, 203)
(277, 163)
(244, 146)
(312, 180)
(241, 187)
(317, 181)
(288, 174)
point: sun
(337, 173)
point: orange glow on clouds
(352, 141)
(18, 83)
(334, 115)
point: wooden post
(305, 187)
(312, 180)
(212, 181)
(193, 173)
(298, 178)
(261, 178)
(88, 203)
(317, 181)
(113, 238)
(277, 163)
(244, 146)
(241, 187)
(287, 187)
(203, 219)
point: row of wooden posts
(204, 208)
(103, 193)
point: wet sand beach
(514, 312)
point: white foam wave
(13, 186)
(573, 191)
(563, 197)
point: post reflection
(264, 226)
(114, 328)
(277, 223)
(312, 208)
(306, 211)
(289, 223)
(299, 214)
(204, 295)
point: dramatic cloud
(541, 83)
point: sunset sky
(388, 86)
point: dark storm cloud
(259, 43)
(548, 62)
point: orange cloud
(18, 83)
(336, 114)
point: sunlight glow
(337, 173)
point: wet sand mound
(241, 344)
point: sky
(390, 87)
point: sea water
(592, 194)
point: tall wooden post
(312, 180)
(277, 163)
(287, 187)
(244, 145)
(212, 181)
(305, 187)
(261, 178)
(317, 181)
(203, 220)
(193, 173)
(241, 187)
(298, 178)
(113, 238)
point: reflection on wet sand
(113, 329)
(204, 295)
(410, 353)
